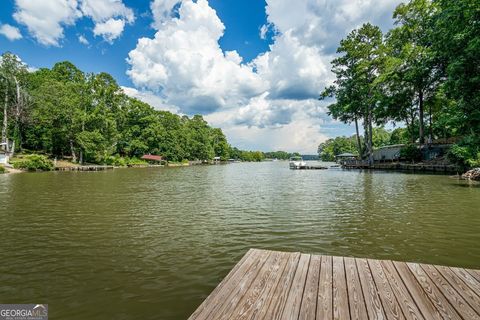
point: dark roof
(152, 157)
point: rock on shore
(473, 174)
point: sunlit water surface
(152, 243)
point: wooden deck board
(467, 278)
(370, 292)
(325, 289)
(465, 291)
(455, 299)
(294, 300)
(356, 301)
(280, 295)
(254, 299)
(407, 304)
(309, 301)
(389, 302)
(341, 308)
(440, 302)
(230, 295)
(279, 285)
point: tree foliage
(425, 73)
(88, 118)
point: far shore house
(152, 159)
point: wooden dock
(308, 167)
(84, 168)
(280, 285)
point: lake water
(152, 243)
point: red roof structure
(152, 157)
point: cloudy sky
(253, 68)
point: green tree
(13, 76)
(410, 77)
(456, 42)
(332, 147)
(356, 69)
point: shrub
(411, 153)
(34, 162)
(466, 153)
(116, 161)
(2, 169)
(135, 162)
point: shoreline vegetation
(422, 74)
(64, 114)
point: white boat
(297, 163)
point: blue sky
(253, 68)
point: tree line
(64, 112)
(85, 117)
(424, 73)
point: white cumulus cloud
(10, 32)
(110, 29)
(185, 63)
(148, 97)
(46, 19)
(162, 11)
(109, 16)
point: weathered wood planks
(280, 285)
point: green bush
(466, 153)
(2, 169)
(411, 153)
(34, 162)
(116, 161)
(135, 161)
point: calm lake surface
(152, 243)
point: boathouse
(345, 156)
(152, 158)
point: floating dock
(420, 167)
(280, 285)
(84, 168)
(308, 167)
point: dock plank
(341, 308)
(423, 302)
(280, 294)
(273, 285)
(309, 301)
(370, 292)
(407, 304)
(254, 299)
(474, 273)
(294, 300)
(325, 290)
(440, 302)
(227, 302)
(455, 299)
(356, 301)
(467, 293)
(467, 278)
(390, 304)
